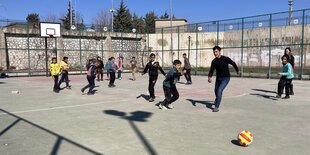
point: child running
(91, 76)
(152, 67)
(169, 86)
(112, 69)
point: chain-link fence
(255, 43)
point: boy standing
(112, 72)
(220, 64)
(286, 78)
(91, 76)
(187, 68)
(64, 72)
(169, 86)
(152, 67)
(133, 64)
(100, 67)
(55, 70)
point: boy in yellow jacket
(55, 69)
(64, 73)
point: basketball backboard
(50, 29)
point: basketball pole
(46, 60)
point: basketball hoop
(51, 36)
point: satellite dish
(199, 28)
(231, 27)
(73, 27)
(260, 24)
(105, 29)
(295, 21)
(134, 30)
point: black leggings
(65, 78)
(112, 77)
(152, 82)
(283, 82)
(168, 98)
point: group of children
(219, 64)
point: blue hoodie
(288, 71)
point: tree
(51, 18)
(138, 23)
(102, 20)
(34, 19)
(122, 19)
(66, 18)
(165, 16)
(80, 26)
(149, 20)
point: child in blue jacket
(286, 78)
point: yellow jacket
(54, 69)
(64, 65)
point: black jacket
(153, 69)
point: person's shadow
(137, 116)
(146, 97)
(207, 103)
(270, 97)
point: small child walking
(169, 86)
(55, 70)
(112, 72)
(91, 76)
(286, 78)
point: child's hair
(217, 48)
(109, 59)
(133, 57)
(54, 58)
(112, 58)
(176, 62)
(152, 54)
(64, 58)
(184, 54)
(284, 56)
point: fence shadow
(137, 116)
(59, 140)
(266, 91)
(207, 103)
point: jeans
(112, 77)
(283, 82)
(91, 84)
(168, 98)
(65, 78)
(220, 84)
(119, 74)
(152, 82)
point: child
(133, 64)
(107, 67)
(152, 67)
(112, 72)
(187, 67)
(64, 72)
(286, 78)
(291, 60)
(120, 66)
(100, 67)
(55, 70)
(91, 76)
(170, 90)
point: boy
(100, 67)
(55, 70)
(91, 76)
(112, 72)
(133, 64)
(170, 90)
(64, 72)
(107, 67)
(286, 78)
(187, 68)
(220, 64)
(152, 67)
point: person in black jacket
(91, 76)
(152, 67)
(220, 64)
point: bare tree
(103, 19)
(51, 18)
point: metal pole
(189, 46)
(290, 4)
(242, 33)
(46, 60)
(302, 44)
(80, 42)
(217, 33)
(70, 8)
(270, 42)
(162, 47)
(178, 42)
(171, 40)
(28, 46)
(196, 49)
(112, 18)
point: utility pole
(171, 31)
(290, 4)
(70, 7)
(112, 18)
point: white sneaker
(162, 107)
(170, 106)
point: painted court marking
(61, 107)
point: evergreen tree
(66, 18)
(122, 19)
(164, 16)
(149, 20)
(138, 23)
(34, 19)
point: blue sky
(192, 10)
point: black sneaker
(286, 97)
(151, 99)
(82, 90)
(68, 87)
(291, 93)
(278, 96)
(215, 109)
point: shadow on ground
(207, 103)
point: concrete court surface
(120, 121)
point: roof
(168, 19)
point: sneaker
(161, 106)
(82, 90)
(170, 106)
(286, 97)
(68, 87)
(291, 93)
(278, 96)
(151, 99)
(90, 93)
(188, 83)
(216, 109)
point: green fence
(255, 43)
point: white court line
(237, 95)
(61, 107)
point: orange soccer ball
(245, 138)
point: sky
(193, 10)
